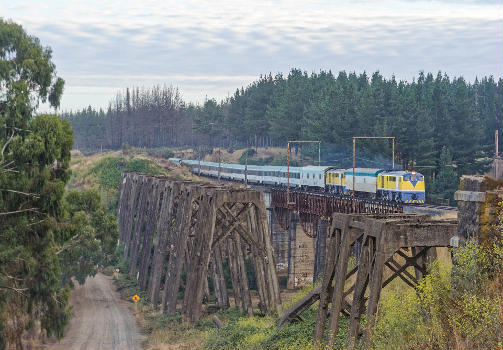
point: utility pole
(199, 157)
(246, 164)
(496, 143)
(219, 162)
(496, 162)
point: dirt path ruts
(100, 319)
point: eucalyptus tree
(44, 239)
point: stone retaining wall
(478, 197)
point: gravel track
(100, 319)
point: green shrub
(283, 161)
(250, 152)
(161, 152)
(458, 308)
(109, 169)
(250, 333)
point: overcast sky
(210, 48)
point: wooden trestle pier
(382, 239)
(196, 226)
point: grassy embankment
(455, 307)
(102, 171)
(239, 331)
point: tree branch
(7, 164)
(20, 211)
(11, 277)
(17, 290)
(74, 240)
(6, 144)
(19, 192)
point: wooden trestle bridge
(385, 238)
(169, 225)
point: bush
(261, 333)
(126, 149)
(250, 152)
(458, 308)
(109, 170)
(283, 161)
(161, 152)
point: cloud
(211, 48)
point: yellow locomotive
(401, 186)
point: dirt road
(100, 319)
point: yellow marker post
(135, 298)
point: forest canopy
(441, 124)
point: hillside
(101, 171)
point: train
(393, 185)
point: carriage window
(308, 175)
(392, 178)
(319, 176)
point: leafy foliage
(443, 185)
(45, 238)
(261, 333)
(88, 235)
(31, 202)
(458, 308)
(161, 152)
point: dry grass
(164, 339)
(173, 336)
(83, 179)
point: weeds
(458, 308)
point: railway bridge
(299, 222)
(170, 225)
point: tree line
(149, 118)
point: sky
(209, 48)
